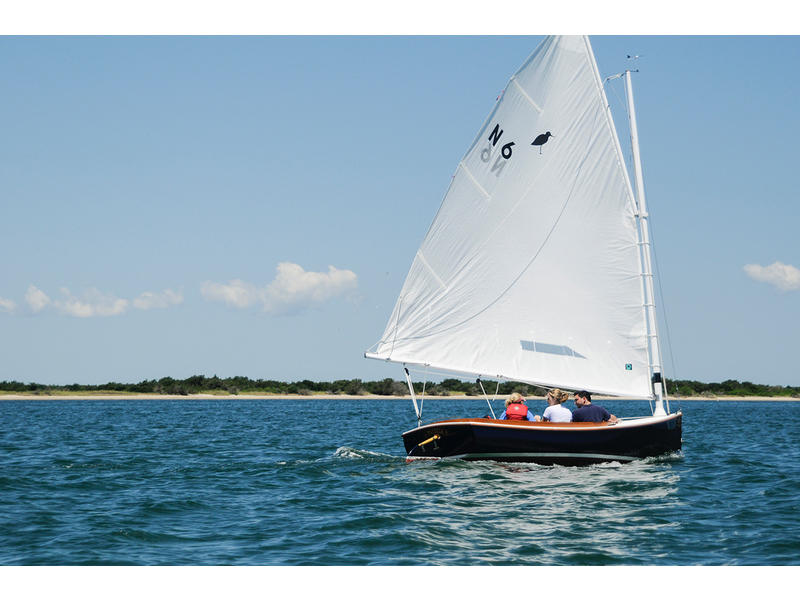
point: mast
(650, 307)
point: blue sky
(250, 205)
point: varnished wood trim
(526, 423)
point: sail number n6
(505, 151)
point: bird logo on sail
(541, 140)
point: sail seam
(527, 97)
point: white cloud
(93, 303)
(236, 293)
(293, 289)
(7, 305)
(165, 299)
(784, 277)
(37, 300)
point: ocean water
(325, 482)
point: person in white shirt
(555, 412)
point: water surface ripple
(325, 482)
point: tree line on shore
(356, 387)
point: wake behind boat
(537, 269)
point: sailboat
(537, 269)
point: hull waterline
(546, 443)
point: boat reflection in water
(513, 513)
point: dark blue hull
(546, 443)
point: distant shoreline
(85, 396)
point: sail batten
(477, 184)
(525, 94)
(532, 268)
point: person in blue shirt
(588, 412)
(516, 410)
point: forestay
(531, 270)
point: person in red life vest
(516, 409)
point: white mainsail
(531, 270)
